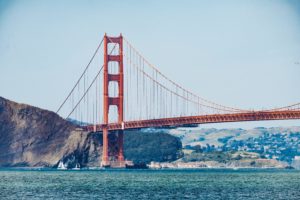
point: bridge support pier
(120, 146)
(112, 154)
(105, 156)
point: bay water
(150, 184)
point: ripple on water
(150, 184)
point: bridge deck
(202, 119)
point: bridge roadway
(201, 119)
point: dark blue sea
(150, 184)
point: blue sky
(238, 53)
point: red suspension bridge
(137, 95)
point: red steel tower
(111, 157)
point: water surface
(150, 184)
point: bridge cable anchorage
(180, 87)
(87, 90)
(83, 73)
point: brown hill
(30, 136)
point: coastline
(242, 164)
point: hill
(280, 143)
(34, 137)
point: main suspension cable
(177, 85)
(87, 66)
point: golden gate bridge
(135, 94)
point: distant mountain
(30, 136)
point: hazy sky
(242, 53)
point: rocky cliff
(30, 136)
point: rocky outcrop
(30, 136)
(144, 147)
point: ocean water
(150, 184)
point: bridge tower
(113, 150)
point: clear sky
(242, 53)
